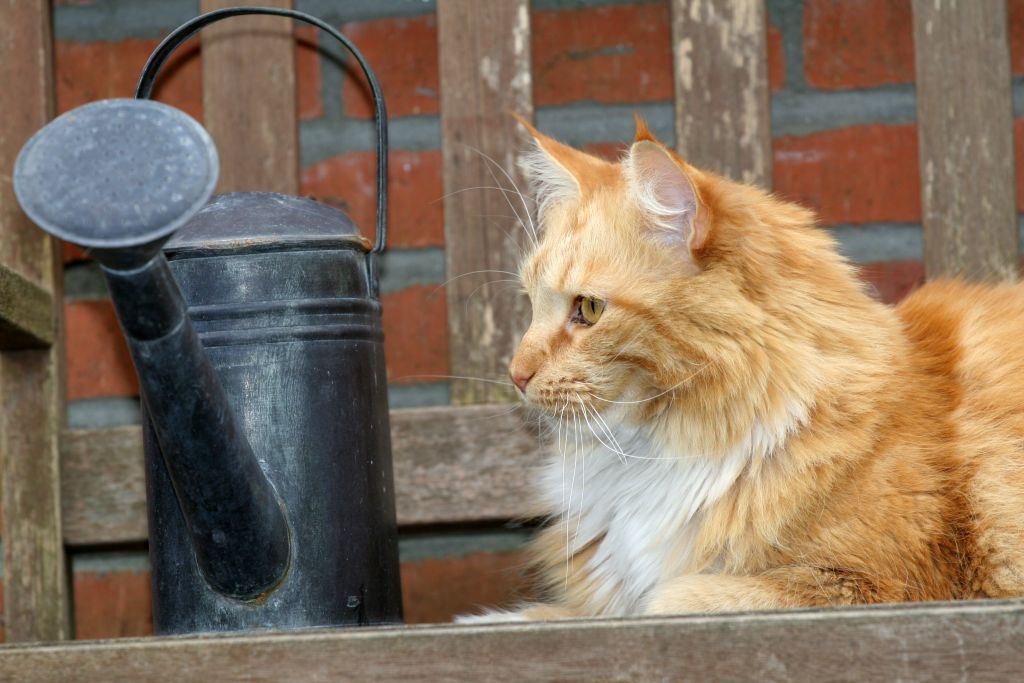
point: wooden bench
(467, 463)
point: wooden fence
(66, 488)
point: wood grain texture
(36, 591)
(26, 104)
(103, 483)
(485, 76)
(249, 99)
(965, 135)
(925, 642)
(36, 595)
(451, 465)
(26, 312)
(723, 111)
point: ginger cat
(739, 424)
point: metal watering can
(254, 323)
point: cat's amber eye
(588, 310)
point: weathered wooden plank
(36, 601)
(26, 104)
(249, 101)
(485, 75)
(103, 484)
(36, 604)
(965, 137)
(451, 465)
(26, 312)
(925, 642)
(723, 112)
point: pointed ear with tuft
(550, 168)
(663, 190)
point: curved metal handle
(144, 90)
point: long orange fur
(898, 473)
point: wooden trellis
(96, 494)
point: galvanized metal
(258, 343)
(117, 174)
(282, 294)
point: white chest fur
(644, 503)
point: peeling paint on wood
(36, 595)
(723, 114)
(249, 100)
(485, 76)
(965, 134)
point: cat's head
(651, 277)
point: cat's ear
(664, 190)
(552, 169)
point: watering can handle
(156, 60)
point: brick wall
(845, 144)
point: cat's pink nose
(521, 380)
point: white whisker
(626, 345)
(489, 282)
(472, 379)
(478, 187)
(532, 228)
(473, 272)
(591, 428)
(658, 395)
(572, 486)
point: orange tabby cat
(740, 425)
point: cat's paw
(534, 612)
(491, 617)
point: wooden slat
(965, 136)
(934, 643)
(485, 75)
(723, 113)
(36, 605)
(103, 483)
(249, 102)
(451, 465)
(26, 312)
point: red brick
(416, 334)
(852, 175)
(307, 72)
(71, 253)
(612, 151)
(776, 58)
(98, 363)
(1018, 147)
(859, 44)
(1016, 30)
(605, 54)
(94, 71)
(415, 211)
(114, 604)
(436, 590)
(403, 55)
(893, 280)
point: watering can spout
(118, 177)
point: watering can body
(282, 294)
(254, 323)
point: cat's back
(973, 334)
(967, 345)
